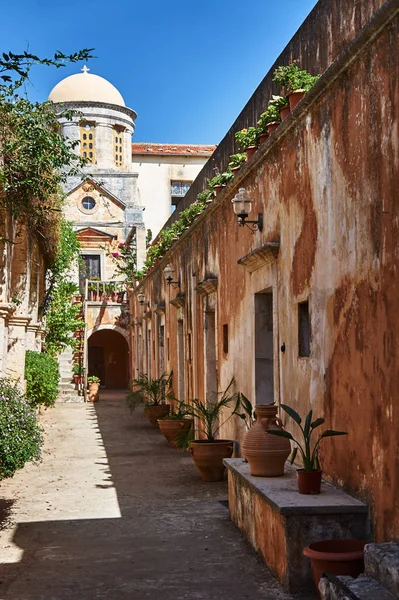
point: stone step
(363, 587)
(70, 398)
(381, 561)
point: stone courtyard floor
(112, 513)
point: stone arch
(108, 356)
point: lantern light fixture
(141, 298)
(242, 205)
(168, 274)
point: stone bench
(279, 522)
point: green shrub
(42, 377)
(20, 433)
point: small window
(304, 332)
(118, 146)
(88, 203)
(226, 339)
(87, 133)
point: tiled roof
(176, 149)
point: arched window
(118, 132)
(87, 131)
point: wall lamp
(242, 205)
(168, 274)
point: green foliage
(125, 260)
(42, 376)
(237, 160)
(151, 392)
(220, 179)
(61, 314)
(36, 157)
(271, 114)
(247, 137)
(310, 455)
(93, 379)
(292, 78)
(209, 415)
(178, 413)
(245, 405)
(20, 433)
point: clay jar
(266, 454)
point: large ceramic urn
(266, 454)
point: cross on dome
(85, 69)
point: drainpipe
(195, 331)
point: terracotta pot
(208, 457)
(308, 482)
(172, 427)
(266, 454)
(284, 112)
(153, 413)
(295, 97)
(218, 188)
(272, 126)
(250, 151)
(93, 392)
(339, 557)
(235, 169)
(263, 137)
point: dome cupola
(86, 87)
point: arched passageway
(108, 358)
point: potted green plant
(270, 119)
(309, 476)
(205, 197)
(219, 181)
(153, 393)
(282, 104)
(295, 82)
(174, 423)
(247, 140)
(208, 451)
(77, 371)
(236, 162)
(94, 386)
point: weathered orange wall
(326, 184)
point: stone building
(304, 311)
(22, 289)
(106, 207)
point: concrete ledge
(279, 522)
(346, 588)
(281, 493)
(381, 562)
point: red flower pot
(217, 189)
(263, 137)
(272, 126)
(250, 151)
(235, 169)
(295, 97)
(284, 112)
(309, 482)
(339, 557)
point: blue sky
(186, 67)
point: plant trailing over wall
(20, 433)
(247, 137)
(36, 157)
(42, 377)
(61, 313)
(292, 78)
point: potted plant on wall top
(153, 393)
(309, 477)
(94, 386)
(295, 81)
(247, 140)
(236, 162)
(270, 119)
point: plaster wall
(326, 184)
(155, 174)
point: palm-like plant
(209, 415)
(310, 456)
(151, 392)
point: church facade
(123, 192)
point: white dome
(85, 87)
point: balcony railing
(105, 291)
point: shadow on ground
(173, 540)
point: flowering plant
(247, 137)
(293, 78)
(237, 160)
